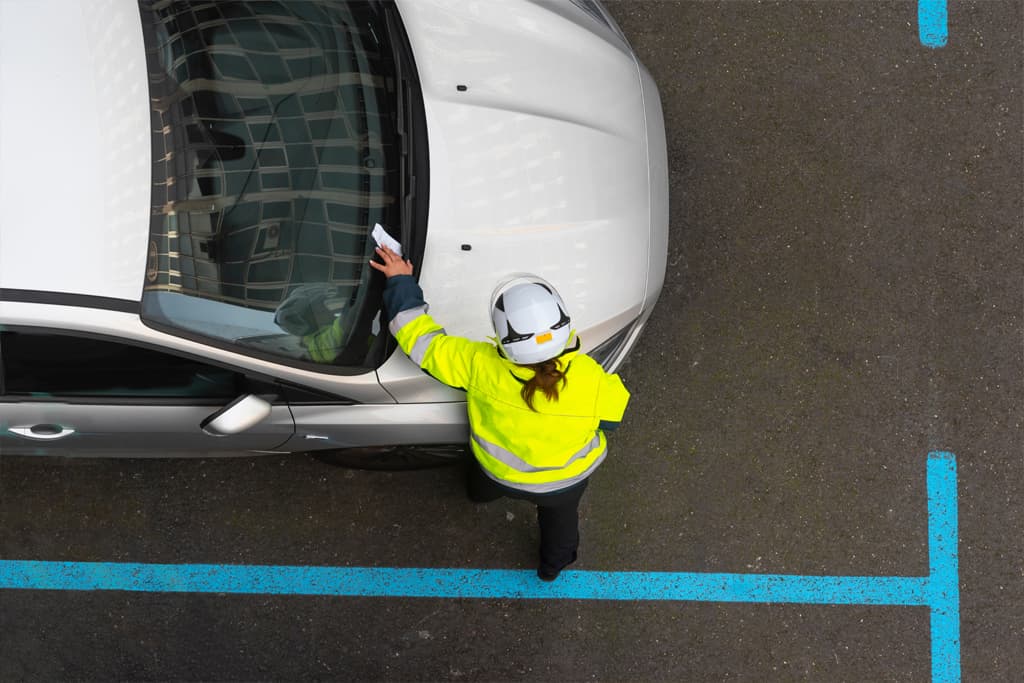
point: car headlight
(598, 12)
(609, 352)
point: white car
(172, 173)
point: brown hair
(547, 377)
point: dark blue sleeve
(606, 426)
(401, 293)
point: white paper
(383, 239)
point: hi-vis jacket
(555, 447)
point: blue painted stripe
(462, 583)
(932, 22)
(943, 567)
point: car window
(43, 365)
(275, 151)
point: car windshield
(277, 145)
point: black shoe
(548, 574)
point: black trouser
(557, 515)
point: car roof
(75, 166)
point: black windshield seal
(415, 176)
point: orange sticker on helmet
(544, 338)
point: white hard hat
(529, 319)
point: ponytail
(547, 377)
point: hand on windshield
(393, 263)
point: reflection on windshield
(274, 153)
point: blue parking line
(944, 567)
(463, 583)
(932, 22)
(939, 590)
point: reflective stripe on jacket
(558, 445)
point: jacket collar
(572, 350)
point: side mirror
(241, 414)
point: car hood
(75, 181)
(526, 174)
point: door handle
(42, 432)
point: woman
(537, 407)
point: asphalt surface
(845, 294)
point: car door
(72, 394)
